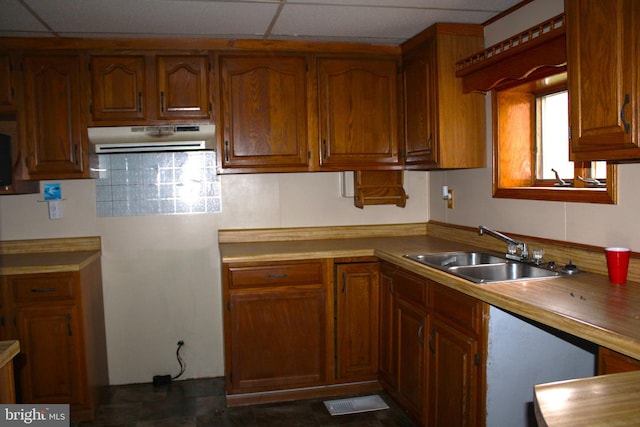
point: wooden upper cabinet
(7, 91)
(603, 51)
(358, 113)
(183, 87)
(444, 128)
(55, 133)
(117, 87)
(139, 89)
(263, 113)
(420, 107)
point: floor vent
(355, 405)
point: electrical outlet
(450, 200)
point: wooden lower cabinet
(58, 319)
(412, 359)
(612, 362)
(357, 309)
(436, 367)
(275, 325)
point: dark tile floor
(201, 402)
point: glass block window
(136, 184)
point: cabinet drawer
(457, 308)
(275, 275)
(412, 288)
(30, 288)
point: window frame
(514, 175)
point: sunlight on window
(553, 141)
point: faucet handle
(512, 249)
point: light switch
(55, 209)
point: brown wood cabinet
(603, 50)
(147, 88)
(263, 113)
(275, 325)
(54, 127)
(612, 362)
(357, 309)
(407, 359)
(456, 370)
(59, 320)
(7, 82)
(444, 128)
(435, 368)
(359, 113)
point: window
(531, 145)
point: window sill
(564, 194)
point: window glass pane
(599, 170)
(553, 141)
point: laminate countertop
(8, 350)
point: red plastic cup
(617, 264)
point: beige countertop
(48, 255)
(579, 403)
(8, 350)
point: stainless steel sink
(454, 259)
(504, 272)
(483, 267)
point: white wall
(600, 225)
(161, 274)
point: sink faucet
(524, 251)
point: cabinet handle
(140, 101)
(420, 331)
(43, 290)
(75, 153)
(226, 151)
(627, 126)
(324, 149)
(344, 283)
(69, 324)
(429, 140)
(432, 336)
(276, 276)
(162, 101)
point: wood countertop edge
(580, 402)
(71, 244)
(8, 350)
(53, 268)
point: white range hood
(135, 139)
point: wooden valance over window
(516, 58)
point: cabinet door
(388, 337)
(49, 364)
(420, 108)
(359, 115)
(357, 292)
(264, 112)
(183, 87)
(55, 131)
(602, 43)
(412, 359)
(612, 362)
(277, 339)
(117, 88)
(452, 377)
(7, 92)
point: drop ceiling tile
(349, 22)
(16, 18)
(481, 5)
(156, 17)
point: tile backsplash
(137, 184)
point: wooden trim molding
(543, 45)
